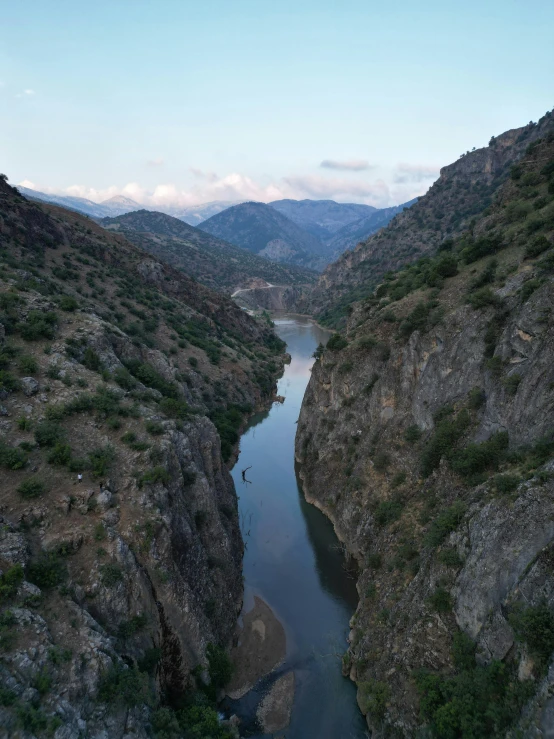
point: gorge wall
(427, 437)
(118, 591)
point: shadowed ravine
(294, 563)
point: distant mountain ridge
(112, 207)
(322, 218)
(265, 231)
(215, 263)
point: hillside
(215, 263)
(116, 587)
(427, 437)
(322, 218)
(111, 207)
(464, 190)
(266, 232)
(352, 233)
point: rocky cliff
(464, 190)
(427, 436)
(123, 385)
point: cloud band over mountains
(399, 184)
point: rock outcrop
(427, 437)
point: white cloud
(158, 162)
(208, 186)
(373, 193)
(352, 165)
(25, 93)
(415, 172)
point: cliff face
(463, 191)
(426, 435)
(112, 586)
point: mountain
(464, 190)
(351, 234)
(195, 214)
(264, 231)
(322, 218)
(215, 263)
(118, 368)
(426, 435)
(111, 207)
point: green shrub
(111, 574)
(537, 246)
(511, 383)
(91, 360)
(448, 431)
(174, 408)
(220, 667)
(506, 483)
(446, 522)
(534, 625)
(440, 601)
(146, 374)
(8, 381)
(24, 423)
(154, 427)
(155, 475)
(483, 298)
(100, 460)
(449, 556)
(373, 696)
(60, 455)
(387, 512)
(412, 434)
(39, 325)
(193, 362)
(124, 685)
(475, 459)
(124, 378)
(128, 629)
(345, 368)
(476, 398)
(336, 343)
(416, 320)
(12, 458)
(374, 560)
(49, 433)
(32, 487)
(398, 479)
(477, 703)
(47, 571)
(529, 287)
(68, 303)
(381, 461)
(27, 364)
(10, 580)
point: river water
(293, 561)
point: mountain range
(213, 262)
(311, 233)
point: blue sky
(179, 102)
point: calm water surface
(293, 561)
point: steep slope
(266, 232)
(322, 218)
(464, 190)
(111, 207)
(215, 263)
(113, 586)
(427, 436)
(351, 234)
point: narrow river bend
(294, 563)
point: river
(293, 561)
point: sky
(178, 103)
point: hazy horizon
(179, 104)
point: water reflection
(293, 560)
